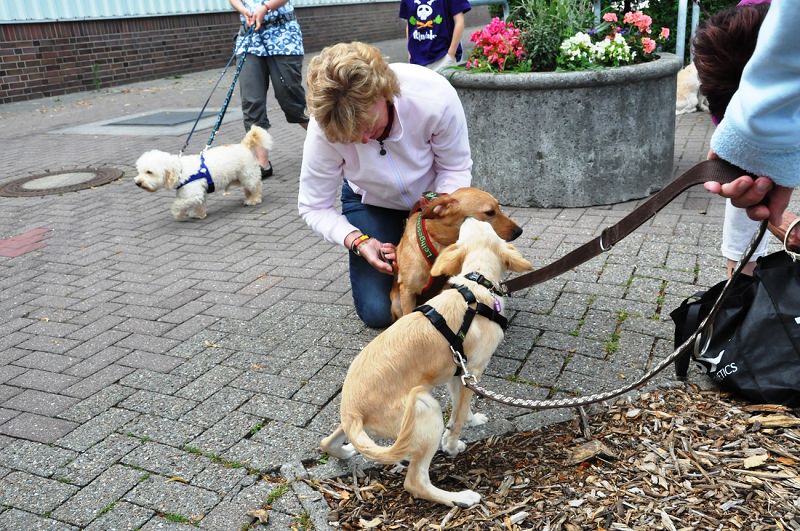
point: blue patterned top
(277, 36)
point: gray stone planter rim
(666, 65)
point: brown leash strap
(709, 170)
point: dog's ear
(439, 207)
(514, 261)
(171, 177)
(172, 171)
(449, 261)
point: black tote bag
(754, 349)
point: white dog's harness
(456, 340)
(202, 173)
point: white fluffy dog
(195, 176)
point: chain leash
(691, 344)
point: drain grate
(163, 118)
(60, 182)
(155, 122)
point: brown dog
(433, 228)
(386, 392)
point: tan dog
(433, 228)
(387, 389)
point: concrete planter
(571, 139)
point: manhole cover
(163, 118)
(58, 183)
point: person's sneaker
(266, 172)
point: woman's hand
(751, 194)
(378, 254)
(258, 16)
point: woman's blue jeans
(370, 287)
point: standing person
(761, 129)
(434, 29)
(275, 52)
(720, 49)
(383, 134)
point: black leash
(227, 101)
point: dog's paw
(452, 446)
(476, 419)
(466, 498)
(344, 452)
(252, 202)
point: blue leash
(227, 101)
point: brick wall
(53, 58)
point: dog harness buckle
(461, 364)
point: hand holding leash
(762, 198)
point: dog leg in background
(253, 189)
(394, 297)
(473, 419)
(334, 444)
(428, 429)
(408, 300)
(461, 416)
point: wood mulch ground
(668, 459)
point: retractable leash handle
(710, 170)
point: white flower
(578, 48)
(612, 51)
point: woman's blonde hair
(344, 81)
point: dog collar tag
(498, 306)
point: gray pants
(285, 71)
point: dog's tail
(401, 448)
(257, 137)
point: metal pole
(681, 30)
(695, 23)
(597, 11)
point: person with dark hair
(761, 129)
(721, 48)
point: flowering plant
(612, 43)
(497, 47)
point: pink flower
(664, 33)
(638, 19)
(497, 44)
(648, 44)
(610, 17)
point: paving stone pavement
(157, 374)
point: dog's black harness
(202, 173)
(456, 340)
